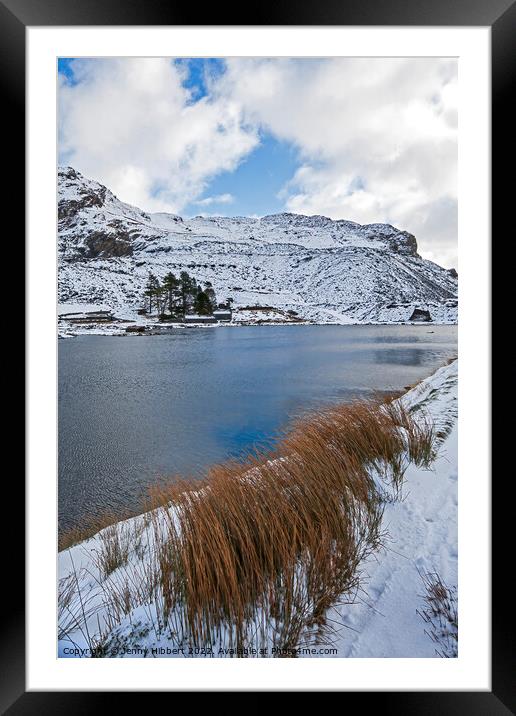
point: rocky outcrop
(324, 270)
(400, 242)
(84, 196)
(420, 314)
(404, 243)
(104, 245)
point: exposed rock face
(420, 315)
(453, 273)
(400, 242)
(405, 244)
(105, 245)
(84, 195)
(324, 270)
(93, 223)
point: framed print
(258, 365)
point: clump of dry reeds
(113, 549)
(420, 435)
(440, 613)
(260, 550)
(257, 553)
(91, 526)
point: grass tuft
(113, 552)
(440, 613)
(257, 553)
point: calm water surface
(133, 409)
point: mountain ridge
(328, 271)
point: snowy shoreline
(167, 330)
(87, 325)
(422, 537)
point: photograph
(257, 268)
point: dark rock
(404, 243)
(419, 314)
(101, 244)
(67, 209)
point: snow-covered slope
(421, 538)
(328, 271)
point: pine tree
(211, 295)
(185, 289)
(150, 289)
(194, 290)
(171, 285)
(203, 304)
(160, 294)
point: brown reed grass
(277, 538)
(257, 553)
(440, 614)
(90, 526)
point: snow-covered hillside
(327, 271)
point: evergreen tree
(202, 304)
(209, 291)
(160, 294)
(181, 294)
(185, 289)
(150, 289)
(171, 286)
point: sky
(365, 139)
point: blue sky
(364, 139)
(273, 161)
(198, 70)
(64, 68)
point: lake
(134, 409)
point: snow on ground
(422, 538)
(370, 314)
(328, 271)
(77, 309)
(383, 620)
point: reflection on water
(402, 356)
(133, 409)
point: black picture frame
(500, 15)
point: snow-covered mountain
(327, 271)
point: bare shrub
(441, 615)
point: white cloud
(217, 199)
(376, 137)
(131, 124)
